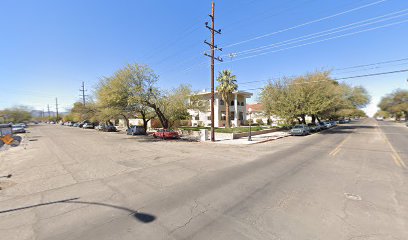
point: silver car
(300, 130)
(18, 129)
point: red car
(166, 133)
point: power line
(351, 77)
(266, 12)
(371, 68)
(194, 58)
(373, 74)
(190, 29)
(305, 24)
(372, 64)
(350, 67)
(174, 68)
(318, 41)
(326, 39)
(325, 32)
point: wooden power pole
(48, 107)
(82, 90)
(212, 56)
(56, 108)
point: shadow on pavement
(148, 138)
(346, 129)
(140, 216)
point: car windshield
(298, 126)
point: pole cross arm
(212, 29)
(209, 44)
(215, 58)
(219, 59)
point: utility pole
(212, 56)
(82, 90)
(56, 108)
(48, 107)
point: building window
(209, 117)
(196, 117)
(223, 117)
(232, 103)
(241, 116)
(221, 102)
(242, 104)
(232, 115)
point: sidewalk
(255, 139)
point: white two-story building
(238, 114)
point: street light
(250, 122)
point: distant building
(258, 114)
(133, 122)
(238, 109)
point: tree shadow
(345, 129)
(140, 216)
(7, 176)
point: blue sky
(47, 48)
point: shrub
(155, 123)
(185, 123)
(259, 121)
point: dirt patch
(6, 184)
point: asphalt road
(349, 182)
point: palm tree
(227, 85)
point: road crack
(191, 216)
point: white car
(18, 129)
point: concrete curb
(268, 140)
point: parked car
(110, 128)
(23, 125)
(106, 128)
(333, 123)
(88, 126)
(300, 130)
(328, 124)
(136, 130)
(75, 125)
(314, 127)
(322, 125)
(342, 121)
(166, 133)
(18, 129)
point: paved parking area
(66, 156)
(70, 183)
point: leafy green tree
(382, 114)
(132, 92)
(396, 104)
(294, 98)
(80, 113)
(314, 94)
(113, 95)
(15, 114)
(227, 85)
